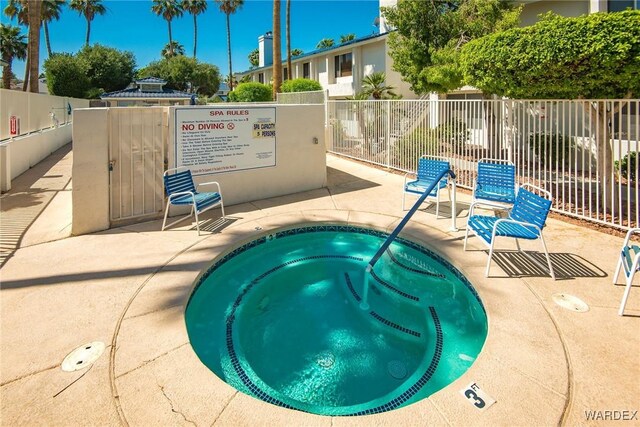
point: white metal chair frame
(548, 196)
(437, 197)
(629, 270)
(193, 204)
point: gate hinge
(111, 163)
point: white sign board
(222, 139)
(477, 397)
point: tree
(595, 56)
(172, 49)
(195, 8)
(12, 45)
(33, 46)
(107, 68)
(66, 76)
(89, 9)
(254, 58)
(168, 9)
(185, 74)
(51, 10)
(300, 85)
(251, 92)
(229, 7)
(296, 52)
(325, 43)
(277, 51)
(374, 86)
(347, 37)
(288, 37)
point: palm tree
(277, 50)
(228, 7)
(324, 43)
(35, 19)
(254, 58)
(18, 9)
(174, 50)
(194, 7)
(50, 10)
(288, 36)
(168, 9)
(89, 9)
(296, 52)
(374, 86)
(347, 37)
(12, 45)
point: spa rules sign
(215, 140)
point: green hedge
(300, 85)
(251, 92)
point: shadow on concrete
(339, 182)
(565, 265)
(24, 203)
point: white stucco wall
(565, 8)
(373, 58)
(90, 171)
(300, 163)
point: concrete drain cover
(570, 302)
(82, 356)
(397, 369)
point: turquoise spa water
(280, 319)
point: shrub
(251, 92)
(66, 76)
(300, 85)
(409, 148)
(552, 148)
(628, 166)
(107, 68)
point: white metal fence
(584, 151)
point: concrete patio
(127, 287)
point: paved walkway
(128, 287)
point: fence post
(388, 134)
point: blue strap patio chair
(429, 168)
(181, 191)
(495, 184)
(630, 261)
(525, 221)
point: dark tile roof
(137, 93)
(317, 51)
(151, 80)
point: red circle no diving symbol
(230, 126)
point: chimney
(265, 49)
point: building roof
(137, 93)
(151, 80)
(317, 51)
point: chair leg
(617, 273)
(222, 207)
(197, 221)
(546, 252)
(486, 273)
(437, 202)
(166, 212)
(627, 288)
(404, 195)
(466, 236)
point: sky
(130, 25)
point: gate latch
(111, 163)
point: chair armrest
(182, 193)
(631, 232)
(406, 175)
(489, 205)
(211, 183)
(175, 169)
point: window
(285, 73)
(306, 70)
(343, 65)
(261, 78)
(620, 5)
